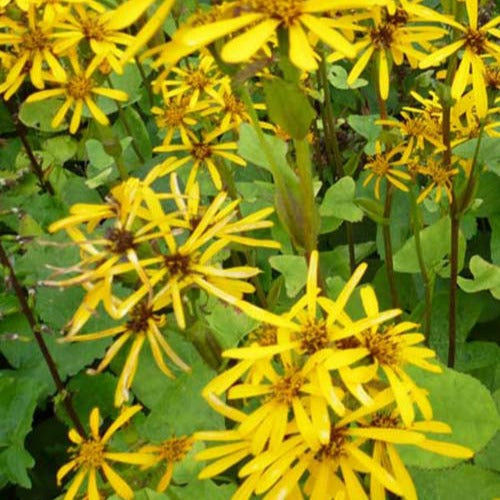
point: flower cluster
(164, 253)
(316, 392)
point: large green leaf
(462, 402)
(294, 270)
(466, 482)
(486, 277)
(339, 201)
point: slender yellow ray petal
(402, 476)
(75, 485)
(130, 458)
(301, 52)
(447, 449)
(123, 418)
(222, 464)
(243, 47)
(64, 470)
(117, 483)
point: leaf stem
(389, 264)
(49, 360)
(23, 136)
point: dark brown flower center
(120, 240)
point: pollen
(383, 347)
(475, 41)
(173, 116)
(233, 105)
(335, 448)
(93, 29)
(264, 335)
(287, 11)
(314, 336)
(197, 80)
(175, 449)
(385, 421)
(90, 454)
(379, 165)
(201, 151)
(34, 40)
(177, 264)
(382, 36)
(120, 240)
(287, 388)
(79, 87)
(139, 317)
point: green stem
(145, 81)
(35, 328)
(304, 170)
(126, 126)
(333, 151)
(23, 136)
(416, 217)
(389, 264)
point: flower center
(384, 348)
(382, 36)
(35, 40)
(177, 264)
(120, 240)
(79, 87)
(93, 29)
(398, 19)
(314, 336)
(287, 388)
(175, 449)
(173, 116)
(475, 41)
(264, 335)
(385, 421)
(139, 317)
(91, 454)
(379, 165)
(197, 80)
(492, 77)
(233, 105)
(335, 449)
(201, 151)
(287, 11)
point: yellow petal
(123, 418)
(117, 483)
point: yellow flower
(263, 19)
(79, 90)
(91, 455)
(197, 82)
(171, 451)
(440, 178)
(101, 28)
(175, 115)
(204, 151)
(144, 323)
(381, 166)
(30, 39)
(391, 38)
(116, 251)
(477, 45)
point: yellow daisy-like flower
(439, 177)
(102, 29)
(197, 82)
(79, 90)
(31, 40)
(171, 451)
(204, 151)
(392, 348)
(477, 44)
(91, 456)
(262, 19)
(144, 323)
(391, 38)
(382, 166)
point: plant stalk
(28, 313)
(389, 264)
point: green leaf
(435, 241)
(489, 457)
(19, 397)
(40, 114)
(288, 107)
(486, 277)
(337, 76)
(202, 490)
(294, 270)
(339, 201)
(466, 482)
(489, 152)
(62, 148)
(462, 402)
(249, 148)
(365, 126)
(229, 325)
